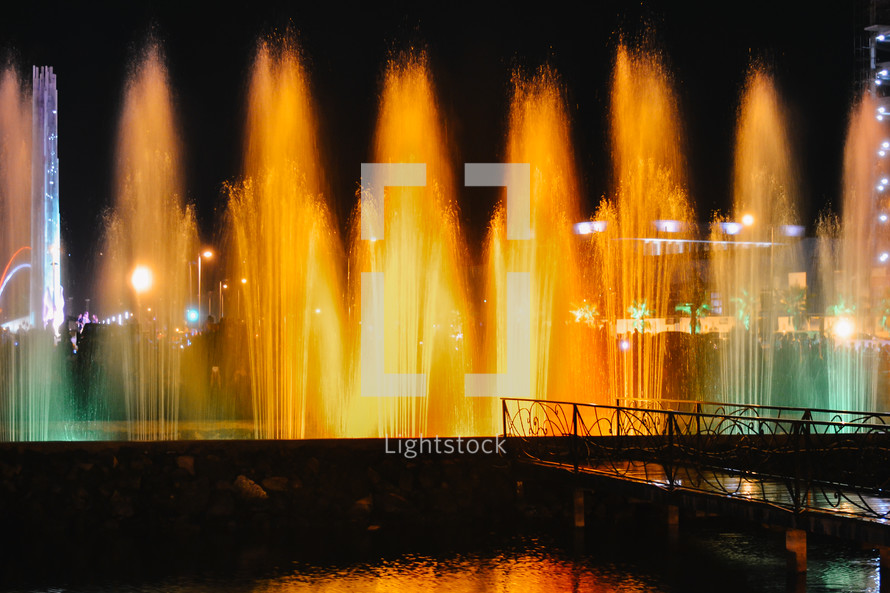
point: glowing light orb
(748, 219)
(844, 328)
(142, 279)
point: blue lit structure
(47, 300)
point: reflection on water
(703, 558)
(532, 571)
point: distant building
(47, 300)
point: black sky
(472, 49)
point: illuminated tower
(47, 302)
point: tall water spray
(751, 262)
(15, 195)
(639, 264)
(15, 241)
(20, 420)
(423, 289)
(848, 253)
(565, 358)
(614, 315)
(289, 255)
(33, 378)
(149, 246)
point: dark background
(472, 48)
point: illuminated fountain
(32, 373)
(425, 269)
(15, 252)
(638, 266)
(621, 314)
(566, 361)
(849, 251)
(148, 246)
(287, 250)
(751, 259)
(15, 196)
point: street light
(844, 328)
(141, 279)
(223, 285)
(748, 220)
(206, 254)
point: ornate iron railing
(757, 410)
(783, 457)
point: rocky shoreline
(342, 488)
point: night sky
(472, 50)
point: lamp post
(141, 280)
(748, 221)
(206, 254)
(223, 285)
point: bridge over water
(807, 470)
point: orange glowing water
(151, 227)
(15, 189)
(649, 181)
(753, 280)
(288, 251)
(564, 361)
(426, 313)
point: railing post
(618, 421)
(801, 452)
(504, 413)
(575, 436)
(669, 465)
(805, 458)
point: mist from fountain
(848, 252)
(425, 267)
(33, 377)
(649, 184)
(149, 227)
(287, 249)
(616, 315)
(751, 271)
(563, 356)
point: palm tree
(794, 302)
(744, 308)
(695, 312)
(842, 308)
(639, 311)
(885, 313)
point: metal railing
(757, 410)
(783, 457)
